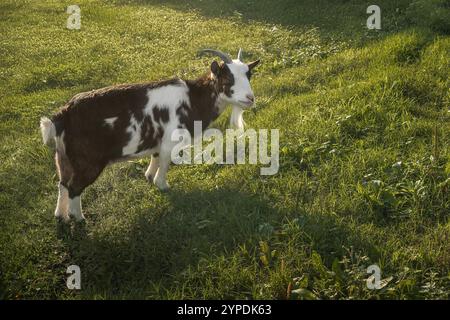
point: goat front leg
(161, 175)
(75, 210)
(152, 168)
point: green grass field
(364, 153)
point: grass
(364, 154)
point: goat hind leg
(61, 211)
(62, 205)
(82, 178)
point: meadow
(364, 172)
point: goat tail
(48, 131)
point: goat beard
(236, 119)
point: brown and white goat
(103, 126)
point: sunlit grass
(364, 155)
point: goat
(116, 123)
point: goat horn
(218, 53)
(240, 55)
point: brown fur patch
(90, 143)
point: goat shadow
(199, 224)
(303, 15)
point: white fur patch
(110, 121)
(134, 129)
(170, 97)
(236, 119)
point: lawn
(364, 172)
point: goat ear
(253, 64)
(215, 68)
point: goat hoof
(60, 214)
(62, 218)
(149, 179)
(163, 186)
(77, 217)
